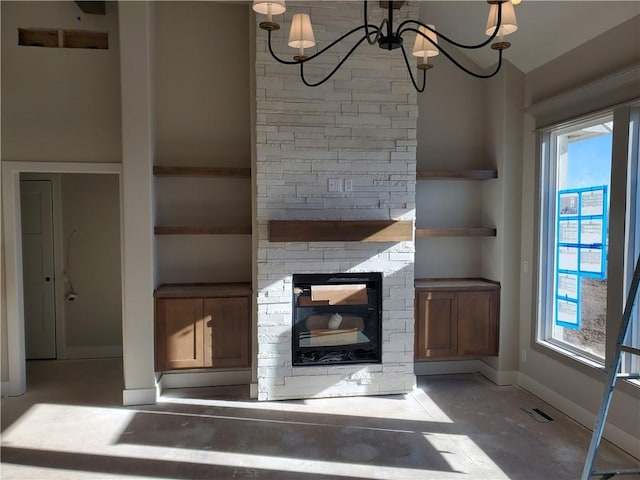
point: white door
(38, 268)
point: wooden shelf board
(340, 231)
(457, 174)
(228, 172)
(455, 232)
(197, 290)
(201, 230)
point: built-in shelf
(201, 230)
(340, 231)
(224, 172)
(455, 232)
(457, 174)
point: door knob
(47, 279)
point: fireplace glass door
(337, 318)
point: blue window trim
(579, 218)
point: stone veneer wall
(360, 125)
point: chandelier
(428, 43)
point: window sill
(584, 360)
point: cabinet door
(179, 333)
(478, 323)
(436, 328)
(227, 341)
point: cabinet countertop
(456, 284)
(200, 290)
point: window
(581, 166)
(631, 363)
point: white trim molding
(139, 396)
(12, 228)
(615, 435)
(615, 89)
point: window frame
(625, 173)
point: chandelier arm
(400, 31)
(309, 84)
(273, 54)
(413, 80)
(366, 27)
(459, 65)
(317, 54)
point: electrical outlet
(348, 185)
(525, 267)
(334, 185)
(523, 355)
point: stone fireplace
(357, 131)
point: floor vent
(538, 415)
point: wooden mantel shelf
(340, 231)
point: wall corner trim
(499, 377)
(139, 396)
(12, 389)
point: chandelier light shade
(266, 7)
(425, 46)
(428, 42)
(508, 24)
(301, 34)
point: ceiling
(546, 28)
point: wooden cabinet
(456, 319)
(202, 326)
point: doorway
(82, 333)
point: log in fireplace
(337, 318)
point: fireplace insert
(337, 318)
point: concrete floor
(70, 425)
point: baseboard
(5, 389)
(446, 367)
(450, 367)
(499, 377)
(205, 379)
(139, 396)
(108, 351)
(13, 389)
(615, 435)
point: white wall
(4, 357)
(451, 135)
(59, 104)
(575, 388)
(202, 84)
(501, 201)
(91, 208)
(202, 110)
(136, 36)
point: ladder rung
(629, 376)
(628, 349)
